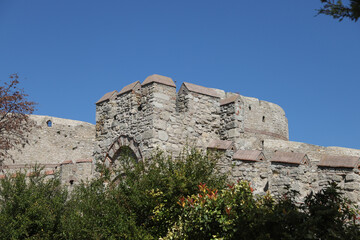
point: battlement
(153, 112)
(252, 135)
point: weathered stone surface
(197, 115)
(150, 115)
(160, 124)
(55, 140)
(163, 136)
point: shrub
(166, 198)
(234, 213)
(138, 199)
(95, 211)
(330, 215)
(30, 207)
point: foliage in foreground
(125, 207)
(31, 207)
(234, 213)
(185, 198)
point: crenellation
(250, 135)
(265, 119)
(212, 119)
(232, 117)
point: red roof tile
(132, 86)
(67, 162)
(31, 174)
(20, 166)
(107, 96)
(249, 155)
(200, 89)
(220, 144)
(84, 161)
(2, 176)
(339, 161)
(290, 157)
(159, 79)
(50, 172)
(229, 100)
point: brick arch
(123, 141)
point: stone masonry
(57, 145)
(252, 135)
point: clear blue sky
(69, 53)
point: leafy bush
(166, 198)
(95, 211)
(30, 207)
(127, 203)
(330, 215)
(234, 213)
(160, 182)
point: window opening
(49, 123)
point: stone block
(336, 178)
(148, 134)
(158, 105)
(351, 177)
(165, 115)
(160, 124)
(263, 175)
(351, 186)
(233, 133)
(163, 136)
(161, 96)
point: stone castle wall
(54, 140)
(70, 172)
(150, 115)
(251, 134)
(154, 115)
(52, 144)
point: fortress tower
(151, 114)
(252, 134)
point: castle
(252, 135)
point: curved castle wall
(58, 146)
(55, 140)
(156, 116)
(252, 134)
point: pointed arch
(118, 145)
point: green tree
(235, 213)
(338, 10)
(137, 199)
(31, 206)
(96, 211)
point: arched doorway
(123, 148)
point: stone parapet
(154, 115)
